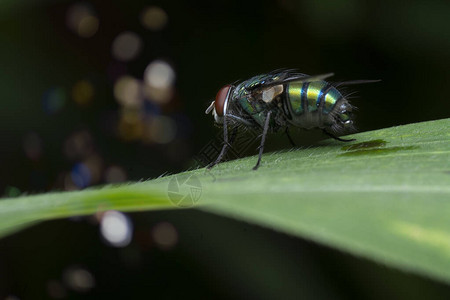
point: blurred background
(96, 92)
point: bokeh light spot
(128, 91)
(115, 174)
(154, 18)
(88, 26)
(56, 290)
(78, 279)
(95, 165)
(12, 191)
(81, 175)
(54, 99)
(161, 129)
(126, 46)
(130, 126)
(83, 92)
(165, 235)
(159, 74)
(81, 19)
(79, 145)
(158, 95)
(159, 78)
(32, 145)
(116, 228)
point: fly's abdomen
(310, 103)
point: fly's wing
(268, 86)
(300, 79)
(281, 77)
(353, 82)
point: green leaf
(385, 196)
(21, 212)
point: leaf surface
(385, 196)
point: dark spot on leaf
(372, 147)
(378, 151)
(365, 145)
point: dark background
(62, 126)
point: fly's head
(219, 106)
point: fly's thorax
(251, 108)
(256, 104)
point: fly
(280, 99)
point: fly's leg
(289, 137)
(233, 135)
(263, 140)
(337, 138)
(225, 145)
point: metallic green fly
(282, 98)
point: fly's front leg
(263, 140)
(233, 135)
(226, 144)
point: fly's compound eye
(220, 100)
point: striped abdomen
(313, 104)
